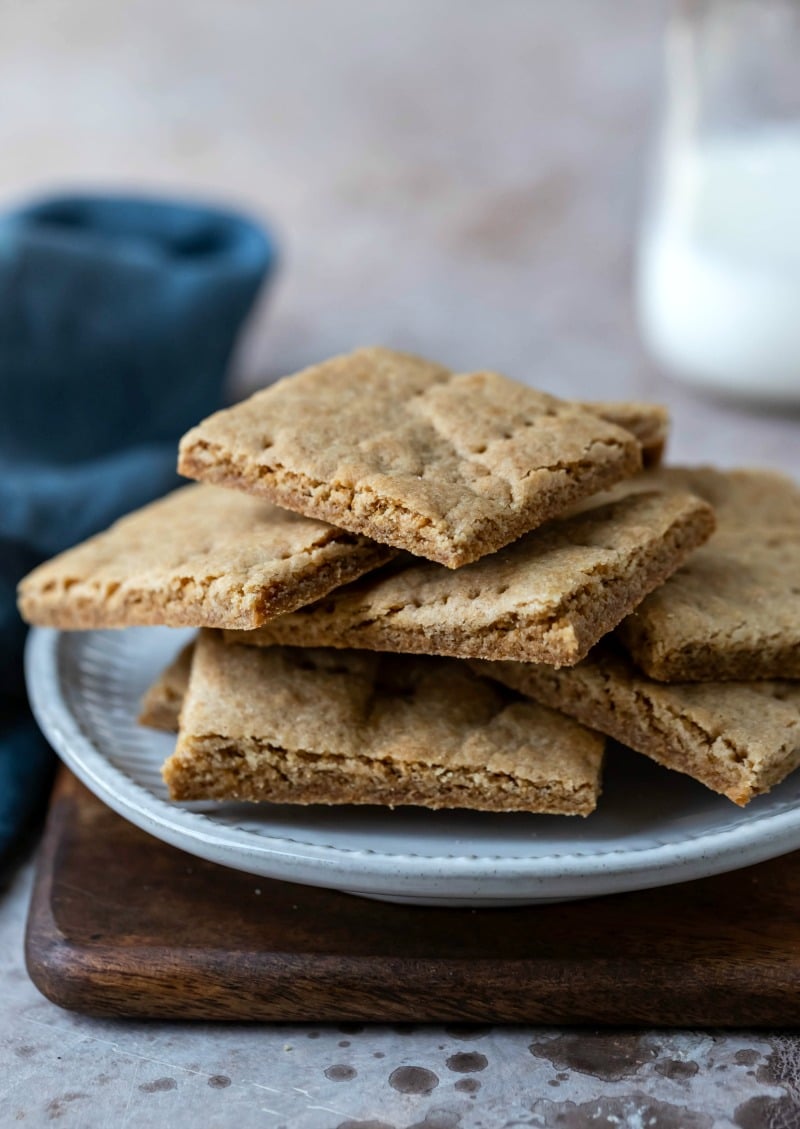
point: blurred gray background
(457, 178)
(464, 180)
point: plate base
(460, 903)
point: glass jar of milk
(718, 287)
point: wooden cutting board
(122, 925)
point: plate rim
(523, 878)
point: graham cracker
(161, 705)
(449, 467)
(649, 423)
(201, 557)
(547, 598)
(732, 612)
(737, 738)
(310, 726)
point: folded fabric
(118, 316)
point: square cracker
(161, 705)
(450, 467)
(737, 738)
(305, 726)
(732, 612)
(547, 598)
(649, 423)
(201, 557)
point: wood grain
(123, 925)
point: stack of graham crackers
(418, 587)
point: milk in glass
(718, 276)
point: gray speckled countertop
(459, 179)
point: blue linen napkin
(118, 316)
